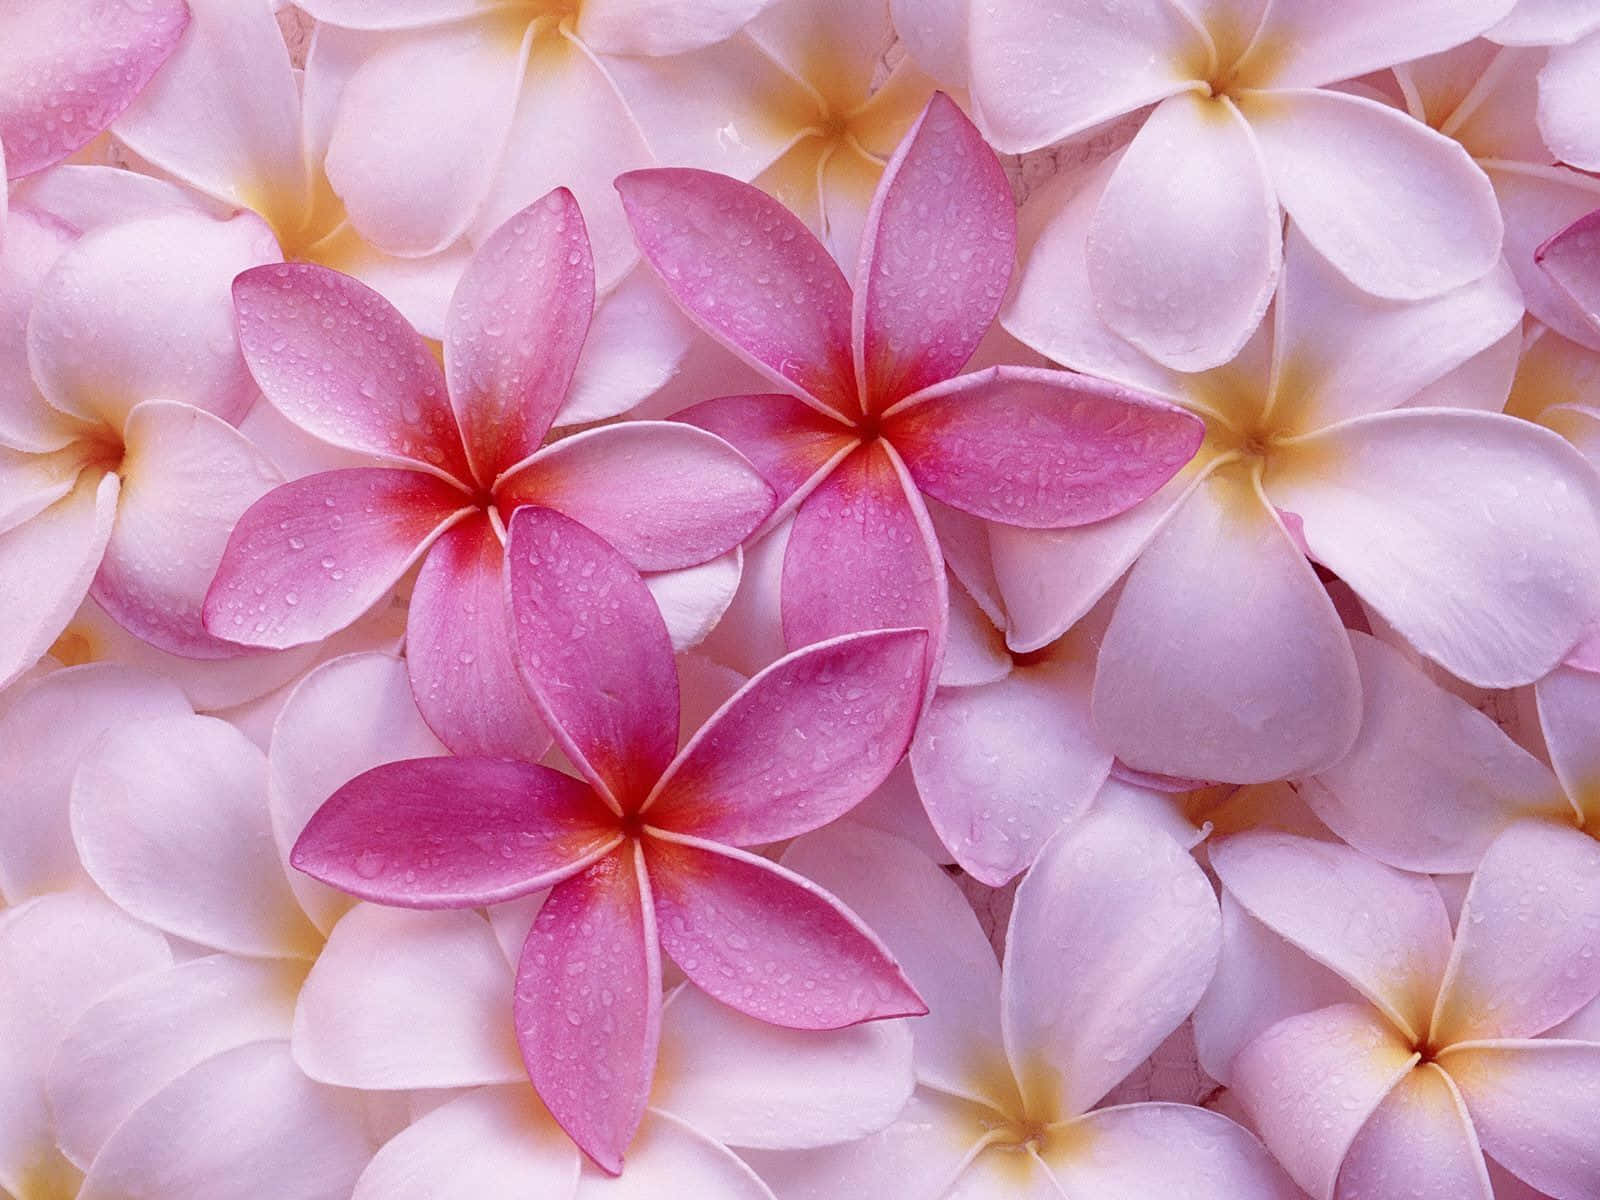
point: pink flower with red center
(643, 851)
(460, 448)
(873, 413)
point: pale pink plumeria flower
(1571, 260)
(1377, 1053)
(1546, 22)
(873, 412)
(461, 448)
(1185, 248)
(70, 67)
(1112, 939)
(641, 852)
(1351, 431)
(1566, 90)
(122, 379)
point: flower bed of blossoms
(800, 600)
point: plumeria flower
(1112, 939)
(792, 102)
(1379, 1056)
(873, 412)
(1571, 260)
(70, 68)
(1565, 82)
(1185, 247)
(1341, 433)
(460, 448)
(640, 853)
(1547, 22)
(123, 472)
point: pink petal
(1112, 941)
(1418, 1143)
(1384, 931)
(670, 1156)
(453, 832)
(593, 652)
(1430, 781)
(1002, 766)
(748, 272)
(1533, 1106)
(1183, 251)
(588, 1004)
(151, 296)
(1486, 558)
(311, 556)
(665, 495)
(71, 67)
(789, 442)
(187, 478)
(1572, 259)
(1537, 205)
(800, 744)
(30, 245)
(1249, 678)
(768, 942)
(459, 649)
(863, 555)
(337, 359)
(935, 258)
(664, 27)
(517, 321)
(1563, 98)
(1527, 952)
(1310, 1083)
(1569, 715)
(1040, 448)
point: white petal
(635, 342)
(692, 600)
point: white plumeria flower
(1113, 937)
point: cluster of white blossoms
(800, 600)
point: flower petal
(1040, 75)
(932, 931)
(216, 1132)
(310, 557)
(666, 495)
(29, 247)
(746, 1083)
(1572, 259)
(588, 1004)
(1569, 715)
(1430, 781)
(517, 321)
(800, 744)
(1564, 83)
(453, 832)
(668, 1154)
(337, 359)
(1477, 537)
(1527, 952)
(935, 258)
(1044, 449)
(396, 14)
(151, 296)
(593, 652)
(1400, 210)
(48, 728)
(1002, 766)
(1419, 1142)
(693, 600)
(70, 68)
(1304, 44)
(1387, 933)
(1311, 1082)
(489, 1144)
(460, 652)
(1250, 678)
(187, 477)
(220, 884)
(1545, 22)
(407, 1000)
(1538, 203)
(636, 345)
(154, 1028)
(1136, 1151)
(662, 27)
(1185, 245)
(1529, 1103)
(863, 555)
(750, 274)
(1112, 941)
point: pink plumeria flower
(1571, 260)
(122, 469)
(1341, 434)
(1185, 249)
(1547, 22)
(1566, 82)
(642, 855)
(69, 69)
(1376, 1053)
(1112, 939)
(873, 412)
(460, 448)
